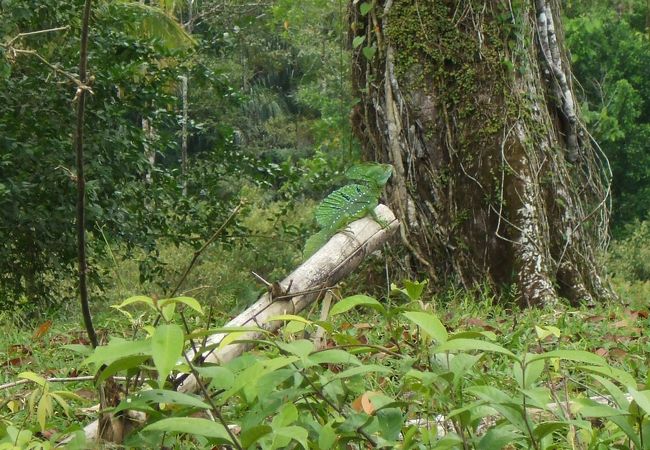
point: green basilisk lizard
(350, 202)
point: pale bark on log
(334, 261)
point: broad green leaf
(117, 348)
(365, 8)
(287, 415)
(474, 335)
(295, 433)
(590, 408)
(615, 374)
(301, 348)
(170, 397)
(547, 330)
(390, 423)
(128, 362)
(31, 376)
(414, 289)
(369, 52)
(642, 399)
(326, 437)
(166, 348)
(137, 299)
(288, 317)
(356, 300)
(490, 394)
(623, 423)
(498, 437)
(221, 377)
(192, 425)
(619, 397)
(167, 311)
(428, 323)
(533, 370)
(362, 370)
(572, 355)
(188, 301)
(44, 410)
(250, 375)
(545, 428)
(334, 356)
(466, 345)
(252, 435)
(357, 41)
(225, 330)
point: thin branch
(56, 380)
(204, 247)
(81, 181)
(33, 33)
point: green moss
(437, 51)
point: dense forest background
(264, 119)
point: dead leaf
(42, 329)
(617, 353)
(602, 352)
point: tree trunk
(495, 178)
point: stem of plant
(81, 181)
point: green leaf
(356, 300)
(572, 355)
(170, 397)
(547, 330)
(295, 433)
(166, 348)
(287, 415)
(642, 399)
(498, 437)
(466, 345)
(301, 348)
(357, 41)
(192, 425)
(128, 362)
(254, 434)
(361, 370)
(428, 323)
(31, 376)
(117, 348)
(137, 299)
(369, 52)
(326, 437)
(365, 8)
(390, 423)
(590, 408)
(188, 301)
(334, 356)
(167, 311)
(288, 317)
(624, 378)
(545, 428)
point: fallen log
(334, 261)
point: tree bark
(495, 178)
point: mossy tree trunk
(495, 177)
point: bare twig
(198, 253)
(56, 380)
